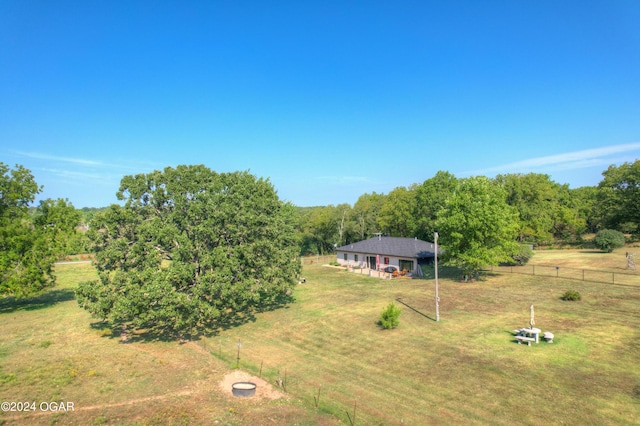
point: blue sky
(328, 99)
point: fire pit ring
(243, 389)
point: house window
(406, 264)
(355, 257)
(344, 256)
(386, 260)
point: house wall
(362, 260)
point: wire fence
(318, 259)
(630, 278)
(323, 396)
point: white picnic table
(532, 331)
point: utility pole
(437, 297)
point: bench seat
(525, 339)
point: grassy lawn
(582, 258)
(51, 350)
(465, 369)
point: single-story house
(388, 252)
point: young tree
(191, 247)
(390, 316)
(477, 227)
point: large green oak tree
(189, 249)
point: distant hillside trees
(546, 209)
(569, 220)
(534, 196)
(88, 213)
(321, 229)
(365, 215)
(318, 230)
(584, 199)
(396, 214)
(431, 197)
(618, 198)
(60, 219)
(191, 248)
(30, 242)
(547, 212)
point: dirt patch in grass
(264, 390)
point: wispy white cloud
(71, 160)
(90, 168)
(568, 161)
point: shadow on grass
(127, 333)
(444, 272)
(41, 301)
(414, 309)
(454, 273)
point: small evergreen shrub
(389, 317)
(571, 295)
(608, 240)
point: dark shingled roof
(392, 246)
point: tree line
(31, 238)
(544, 211)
